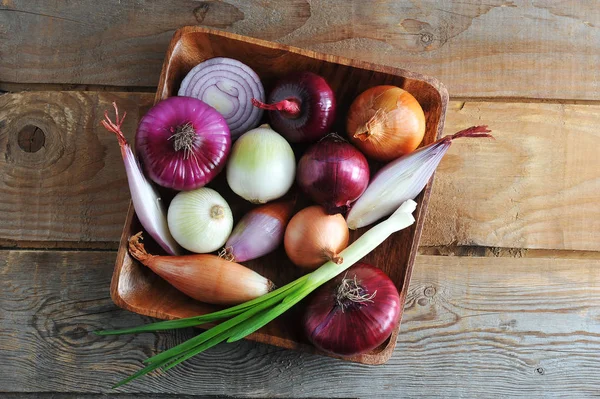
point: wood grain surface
(507, 48)
(473, 327)
(536, 186)
(62, 176)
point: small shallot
(149, 207)
(259, 232)
(206, 278)
(403, 179)
(313, 237)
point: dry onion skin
(385, 122)
(313, 237)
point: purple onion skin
(317, 107)
(173, 169)
(259, 232)
(333, 173)
(361, 327)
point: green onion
(248, 317)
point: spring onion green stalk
(248, 317)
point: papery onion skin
(386, 122)
(259, 232)
(333, 173)
(313, 237)
(403, 179)
(181, 169)
(206, 278)
(315, 107)
(228, 85)
(149, 206)
(262, 166)
(360, 327)
(200, 220)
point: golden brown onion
(385, 122)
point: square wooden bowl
(137, 289)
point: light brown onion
(204, 277)
(385, 122)
(313, 237)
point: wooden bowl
(139, 290)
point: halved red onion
(228, 85)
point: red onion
(302, 107)
(354, 313)
(228, 85)
(333, 173)
(183, 143)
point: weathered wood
(50, 395)
(494, 48)
(473, 327)
(536, 186)
(71, 185)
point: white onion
(200, 220)
(261, 166)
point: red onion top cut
(228, 85)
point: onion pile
(185, 141)
(229, 86)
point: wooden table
(505, 296)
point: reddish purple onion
(333, 173)
(353, 313)
(301, 107)
(183, 143)
(259, 232)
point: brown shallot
(206, 278)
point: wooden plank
(473, 327)
(62, 177)
(536, 186)
(52, 395)
(514, 48)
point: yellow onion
(313, 237)
(385, 122)
(204, 277)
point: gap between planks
(10, 87)
(472, 251)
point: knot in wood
(427, 38)
(429, 292)
(31, 138)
